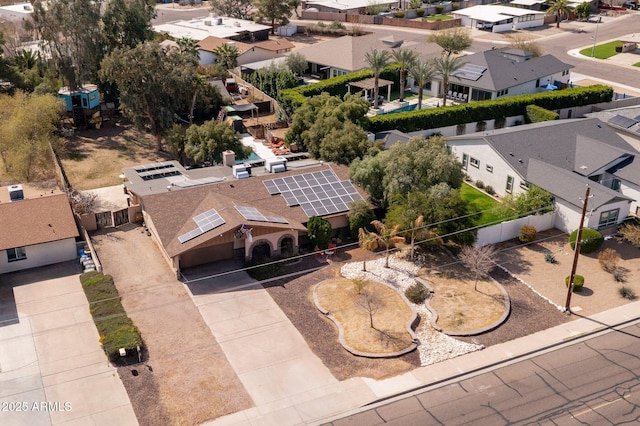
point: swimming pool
(405, 108)
(252, 157)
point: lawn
(480, 202)
(637, 64)
(602, 51)
(438, 18)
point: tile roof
(211, 43)
(36, 221)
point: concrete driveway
(52, 367)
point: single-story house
(502, 72)
(561, 157)
(347, 6)
(216, 213)
(200, 28)
(18, 13)
(249, 52)
(497, 18)
(36, 231)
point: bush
(265, 272)
(455, 6)
(337, 25)
(627, 292)
(420, 12)
(550, 258)
(608, 259)
(618, 48)
(479, 184)
(439, 9)
(536, 114)
(416, 293)
(591, 240)
(578, 282)
(489, 190)
(527, 234)
(399, 14)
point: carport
(369, 84)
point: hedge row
(510, 106)
(536, 114)
(115, 327)
(290, 99)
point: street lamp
(595, 36)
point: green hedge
(433, 118)
(536, 114)
(290, 99)
(115, 328)
(591, 240)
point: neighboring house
(502, 72)
(528, 4)
(561, 157)
(347, 6)
(201, 28)
(499, 18)
(36, 232)
(248, 52)
(207, 215)
(18, 12)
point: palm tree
(377, 61)
(386, 238)
(560, 8)
(227, 55)
(422, 73)
(419, 232)
(446, 67)
(367, 241)
(405, 58)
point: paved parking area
(52, 367)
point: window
(465, 161)
(538, 83)
(524, 184)
(17, 253)
(475, 162)
(615, 185)
(489, 168)
(509, 187)
(502, 92)
(608, 218)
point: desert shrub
(489, 190)
(420, 12)
(399, 14)
(481, 126)
(608, 259)
(439, 9)
(591, 240)
(337, 25)
(527, 234)
(479, 184)
(618, 276)
(262, 268)
(550, 258)
(626, 292)
(416, 293)
(578, 282)
(618, 48)
(455, 6)
(630, 231)
(500, 122)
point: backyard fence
(507, 230)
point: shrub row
(114, 326)
(509, 106)
(536, 114)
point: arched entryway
(286, 245)
(261, 250)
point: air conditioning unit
(16, 193)
(208, 22)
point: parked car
(630, 5)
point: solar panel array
(622, 121)
(206, 221)
(251, 213)
(157, 170)
(470, 72)
(318, 193)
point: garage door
(203, 255)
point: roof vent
(583, 167)
(520, 161)
(208, 22)
(16, 193)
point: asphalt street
(593, 382)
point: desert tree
(239, 9)
(275, 11)
(207, 142)
(452, 41)
(387, 237)
(479, 260)
(377, 61)
(297, 63)
(524, 42)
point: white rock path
(434, 346)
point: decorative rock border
(409, 326)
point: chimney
(228, 158)
(16, 193)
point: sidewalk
(330, 402)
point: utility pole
(576, 253)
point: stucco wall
(40, 255)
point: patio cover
(369, 83)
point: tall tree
(297, 63)
(319, 231)
(368, 242)
(73, 34)
(368, 172)
(405, 59)
(274, 10)
(386, 237)
(152, 84)
(422, 73)
(452, 41)
(559, 8)
(446, 68)
(207, 142)
(525, 42)
(227, 56)
(377, 60)
(480, 260)
(239, 9)
(359, 215)
(127, 23)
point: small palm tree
(446, 67)
(227, 55)
(419, 232)
(422, 73)
(405, 58)
(377, 61)
(368, 242)
(560, 8)
(386, 238)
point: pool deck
(389, 107)
(260, 150)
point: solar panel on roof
(251, 213)
(206, 221)
(622, 121)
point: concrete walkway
(52, 367)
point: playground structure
(83, 107)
